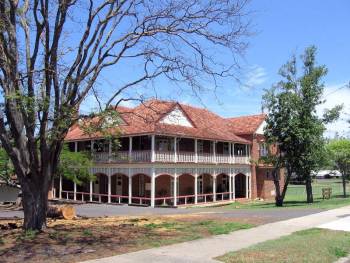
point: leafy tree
(53, 53)
(340, 155)
(292, 122)
(74, 166)
(6, 167)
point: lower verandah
(165, 189)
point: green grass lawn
(312, 245)
(296, 197)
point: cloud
(256, 76)
(335, 95)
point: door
(119, 190)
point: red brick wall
(186, 184)
(163, 186)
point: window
(263, 149)
(226, 148)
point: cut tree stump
(61, 211)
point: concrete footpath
(204, 250)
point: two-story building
(171, 154)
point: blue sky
(283, 28)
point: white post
(233, 188)
(230, 186)
(109, 188)
(250, 185)
(175, 189)
(153, 187)
(247, 186)
(196, 187)
(75, 191)
(109, 151)
(233, 153)
(153, 148)
(175, 150)
(130, 149)
(60, 188)
(214, 187)
(91, 187)
(214, 153)
(230, 151)
(130, 187)
(195, 150)
(76, 146)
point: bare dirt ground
(89, 238)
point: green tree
(6, 167)
(75, 166)
(292, 122)
(339, 150)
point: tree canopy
(293, 123)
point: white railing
(223, 158)
(169, 157)
(120, 157)
(141, 156)
(164, 156)
(101, 157)
(241, 159)
(186, 157)
(206, 158)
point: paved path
(204, 250)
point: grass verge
(312, 245)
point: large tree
(52, 52)
(293, 123)
(339, 150)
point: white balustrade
(186, 157)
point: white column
(247, 186)
(109, 150)
(153, 187)
(75, 191)
(130, 186)
(195, 150)
(230, 186)
(60, 188)
(233, 153)
(196, 187)
(153, 142)
(214, 187)
(130, 149)
(175, 150)
(214, 153)
(250, 185)
(109, 188)
(233, 188)
(175, 189)
(91, 190)
(76, 146)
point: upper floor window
(264, 151)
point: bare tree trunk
(308, 185)
(279, 199)
(34, 207)
(343, 175)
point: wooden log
(61, 211)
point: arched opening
(240, 186)
(100, 188)
(164, 188)
(204, 187)
(119, 188)
(222, 186)
(185, 188)
(141, 188)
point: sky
(283, 28)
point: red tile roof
(144, 119)
(246, 124)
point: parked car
(327, 174)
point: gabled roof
(246, 124)
(145, 119)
